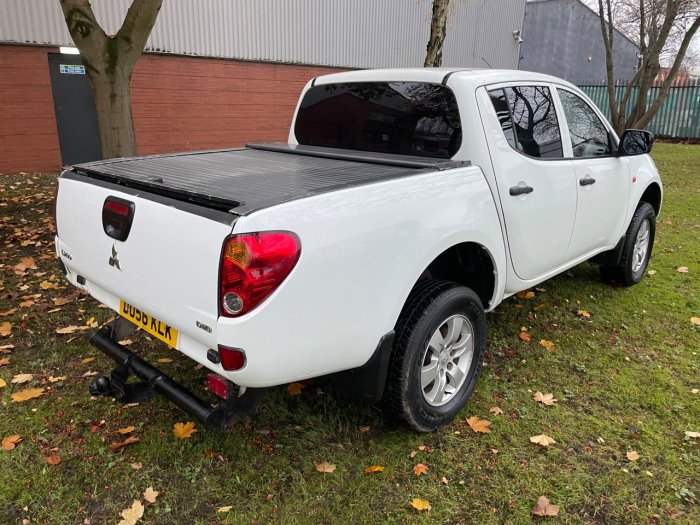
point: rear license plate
(153, 326)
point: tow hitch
(153, 382)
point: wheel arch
(652, 195)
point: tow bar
(153, 382)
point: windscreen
(404, 118)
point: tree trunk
(114, 117)
(438, 31)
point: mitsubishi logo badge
(113, 261)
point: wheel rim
(641, 246)
(446, 360)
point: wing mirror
(635, 142)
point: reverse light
(117, 216)
(252, 267)
(231, 358)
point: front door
(74, 105)
(603, 179)
(536, 184)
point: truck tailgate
(167, 267)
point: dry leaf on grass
(374, 468)
(2, 383)
(692, 434)
(10, 442)
(545, 508)
(583, 313)
(126, 430)
(21, 378)
(420, 504)
(114, 447)
(224, 509)
(479, 425)
(184, 430)
(682, 269)
(632, 455)
(53, 379)
(87, 360)
(131, 515)
(26, 395)
(150, 495)
(53, 459)
(496, 410)
(420, 469)
(8, 312)
(325, 467)
(549, 345)
(165, 360)
(542, 440)
(67, 330)
(545, 399)
(4, 361)
(5, 329)
(524, 336)
(526, 294)
(295, 389)
(695, 320)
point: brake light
(252, 267)
(117, 216)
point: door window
(589, 136)
(532, 120)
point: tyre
(438, 351)
(636, 248)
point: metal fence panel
(678, 116)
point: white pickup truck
(367, 248)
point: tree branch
(136, 28)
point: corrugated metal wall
(346, 33)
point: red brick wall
(179, 104)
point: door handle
(521, 190)
(586, 181)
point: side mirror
(635, 142)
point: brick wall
(179, 104)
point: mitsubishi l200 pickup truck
(366, 249)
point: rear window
(405, 118)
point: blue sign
(68, 69)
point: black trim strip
(313, 82)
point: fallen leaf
(53, 379)
(374, 468)
(549, 345)
(524, 336)
(25, 395)
(165, 360)
(692, 434)
(496, 410)
(126, 430)
(325, 467)
(184, 430)
(87, 360)
(53, 459)
(651, 272)
(425, 448)
(5, 349)
(26, 304)
(528, 294)
(28, 262)
(413, 454)
(137, 466)
(21, 378)
(544, 508)
(131, 515)
(150, 495)
(224, 509)
(479, 425)
(632, 455)
(542, 440)
(5, 329)
(420, 504)
(540, 307)
(445, 481)
(8, 312)
(10, 442)
(682, 269)
(91, 322)
(583, 313)
(695, 391)
(295, 389)
(121, 444)
(420, 469)
(545, 399)
(4, 361)
(60, 301)
(67, 329)
(695, 320)
(46, 285)
(365, 428)
(2, 383)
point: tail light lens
(252, 267)
(231, 358)
(117, 216)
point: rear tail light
(117, 216)
(252, 267)
(220, 386)
(231, 358)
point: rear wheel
(438, 351)
(636, 249)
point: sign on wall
(69, 69)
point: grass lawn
(626, 379)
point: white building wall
(345, 33)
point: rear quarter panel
(362, 250)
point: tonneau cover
(258, 176)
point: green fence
(678, 116)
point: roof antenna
(490, 67)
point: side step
(153, 382)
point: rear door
(536, 184)
(602, 178)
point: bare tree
(109, 62)
(438, 31)
(664, 30)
